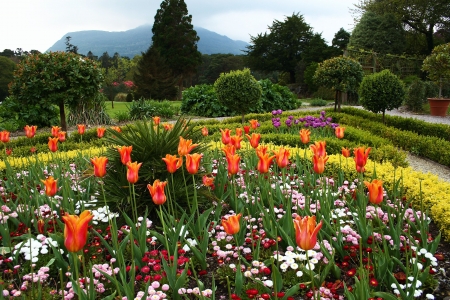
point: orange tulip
(264, 161)
(375, 191)
(99, 166)
(116, 128)
(193, 162)
(233, 163)
(236, 141)
(305, 135)
(185, 146)
(132, 172)
(30, 131)
(101, 132)
(76, 230)
(55, 130)
(4, 136)
(345, 152)
(319, 163)
(239, 131)
(254, 139)
(53, 144)
(306, 232)
(231, 225)
(361, 154)
(339, 132)
(319, 148)
(51, 186)
(226, 138)
(157, 191)
(125, 154)
(173, 163)
(208, 181)
(262, 149)
(247, 129)
(282, 157)
(81, 128)
(167, 126)
(205, 131)
(62, 136)
(156, 120)
(41, 226)
(254, 124)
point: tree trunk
(384, 122)
(339, 100)
(243, 119)
(430, 39)
(292, 76)
(335, 100)
(62, 116)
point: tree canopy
(176, 40)
(58, 78)
(6, 75)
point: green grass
(118, 107)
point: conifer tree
(176, 40)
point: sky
(38, 24)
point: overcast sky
(38, 24)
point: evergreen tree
(341, 39)
(153, 78)
(176, 40)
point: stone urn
(438, 106)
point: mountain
(137, 40)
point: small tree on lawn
(382, 91)
(57, 78)
(437, 64)
(239, 91)
(341, 74)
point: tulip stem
(75, 266)
(161, 216)
(312, 276)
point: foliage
(324, 93)
(150, 144)
(89, 112)
(176, 40)
(341, 39)
(415, 96)
(145, 109)
(214, 64)
(308, 77)
(55, 78)
(275, 96)
(15, 115)
(201, 100)
(437, 64)
(339, 73)
(122, 116)
(238, 90)
(153, 77)
(284, 46)
(129, 97)
(318, 102)
(6, 75)
(379, 33)
(381, 91)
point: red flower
(99, 166)
(345, 152)
(8, 151)
(282, 157)
(254, 124)
(226, 138)
(30, 131)
(193, 162)
(55, 130)
(361, 154)
(375, 191)
(173, 163)
(233, 163)
(208, 181)
(339, 132)
(232, 225)
(247, 129)
(53, 144)
(4, 136)
(156, 120)
(62, 136)
(319, 148)
(319, 163)
(306, 231)
(264, 161)
(81, 128)
(205, 131)
(157, 191)
(236, 141)
(125, 154)
(101, 132)
(254, 139)
(132, 172)
(75, 231)
(185, 146)
(51, 186)
(305, 136)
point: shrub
(144, 109)
(381, 91)
(410, 79)
(201, 100)
(90, 112)
(275, 96)
(318, 102)
(431, 89)
(129, 97)
(120, 97)
(415, 96)
(122, 116)
(239, 91)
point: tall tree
(380, 33)
(6, 75)
(421, 16)
(70, 47)
(176, 40)
(282, 48)
(341, 39)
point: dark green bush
(318, 102)
(275, 96)
(324, 93)
(201, 100)
(415, 96)
(122, 116)
(145, 109)
(129, 97)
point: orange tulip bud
(254, 124)
(116, 128)
(55, 130)
(133, 172)
(156, 120)
(81, 128)
(232, 225)
(53, 144)
(226, 138)
(236, 141)
(205, 131)
(360, 156)
(319, 163)
(305, 135)
(239, 131)
(99, 166)
(157, 191)
(306, 232)
(193, 162)
(233, 163)
(254, 139)
(30, 131)
(125, 154)
(345, 152)
(62, 136)
(319, 148)
(173, 163)
(75, 230)
(282, 157)
(101, 132)
(375, 191)
(51, 186)
(185, 146)
(339, 132)
(208, 181)
(4, 136)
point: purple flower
(280, 111)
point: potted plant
(437, 64)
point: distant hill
(137, 40)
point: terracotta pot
(438, 106)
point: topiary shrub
(381, 91)
(239, 91)
(415, 96)
(129, 97)
(201, 100)
(275, 96)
